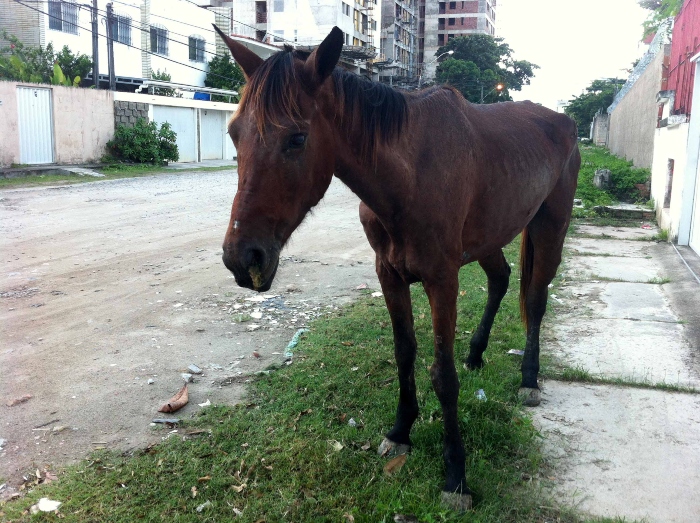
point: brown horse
(443, 183)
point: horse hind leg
(542, 244)
(498, 273)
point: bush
(144, 143)
(623, 177)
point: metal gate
(35, 125)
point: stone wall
(126, 113)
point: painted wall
(633, 122)
(670, 143)
(83, 123)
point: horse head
(285, 144)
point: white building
(173, 36)
(265, 25)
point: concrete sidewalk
(629, 311)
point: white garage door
(212, 129)
(184, 122)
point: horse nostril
(255, 257)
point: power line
(132, 46)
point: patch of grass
(623, 179)
(278, 457)
(576, 374)
(581, 375)
(111, 172)
(659, 281)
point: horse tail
(527, 254)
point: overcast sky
(573, 41)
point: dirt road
(108, 285)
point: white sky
(573, 41)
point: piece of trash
(204, 506)
(256, 315)
(205, 404)
(45, 505)
(480, 395)
(517, 352)
(395, 464)
(361, 287)
(187, 377)
(178, 401)
(405, 518)
(178, 305)
(166, 421)
(2, 442)
(646, 226)
(151, 381)
(377, 294)
(256, 354)
(352, 422)
(256, 299)
(288, 354)
(336, 445)
(366, 446)
(18, 401)
(253, 327)
(194, 369)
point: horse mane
(380, 111)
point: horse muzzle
(253, 266)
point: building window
(278, 6)
(453, 6)
(63, 16)
(196, 48)
(451, 21)
(121, 29)
(279, 35)
(441, 39)
(159, 40)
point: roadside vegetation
(302, 446)
(625, 181)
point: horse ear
(244, 57)
(320, 64)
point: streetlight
(499, 87)
(422, 68)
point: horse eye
(297, 141)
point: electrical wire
(133, 46)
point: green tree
(660, 11)
(598, 95)
(482, 61)
(224, 74)
(39, 65)
(163, 77)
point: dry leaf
(349, 517)
(203, 479)
(347, 343)
(366, 446)
(194, 492)
(240, 488)
(394, 465)
(17, 401)
(337, 445)
(176, 402)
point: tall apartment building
(440, 21)
(398, 62)
(264, 25)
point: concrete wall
(83, 121)
(9, 127)
(633, 122)
(670, 143)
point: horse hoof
(530, 397)
(390, 448)
(456, 501)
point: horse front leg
(498, 273)
(398, 300)
(442, 295)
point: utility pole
(95, 47)
(110, 47)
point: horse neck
(376, 179)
